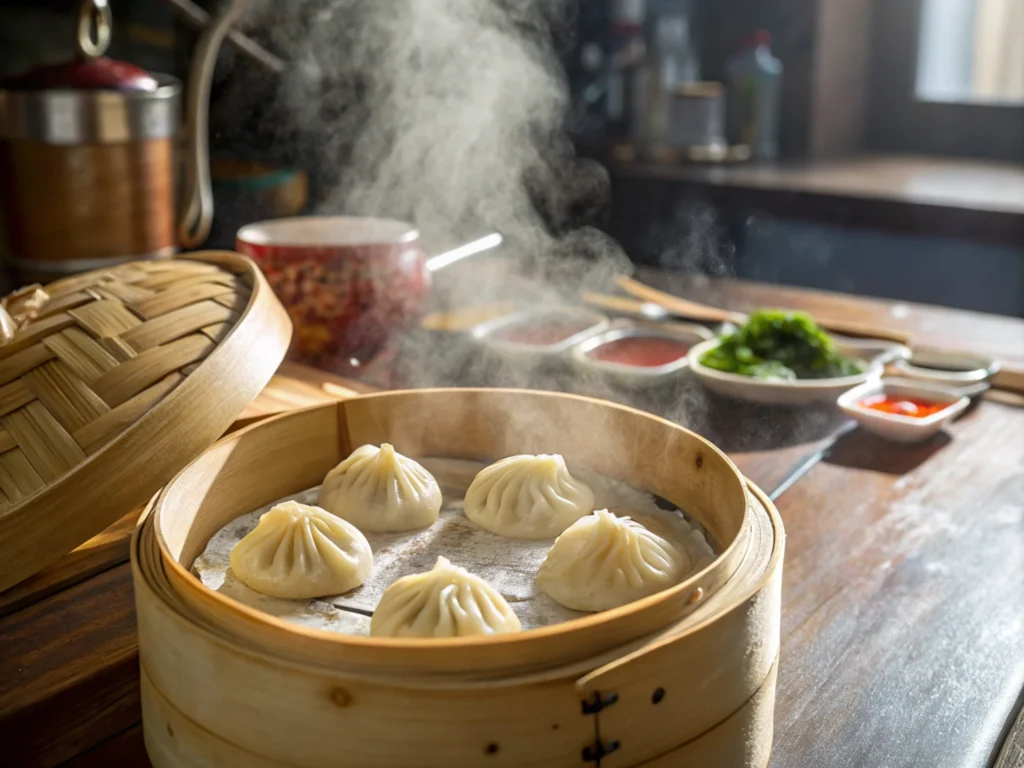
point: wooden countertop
(949, 182)
(968, 199)
(902, 622)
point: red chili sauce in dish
(640, 351)
(542, 330)
(902, 406)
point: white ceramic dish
(634, 375)
(486, 333)
(902, 429)
(955, 369)
(801, 391)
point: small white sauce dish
(685, 335)
(957, 369)
(902, 429)
(489, 332)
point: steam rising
(449, 114)
(456, 96)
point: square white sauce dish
(902, 410)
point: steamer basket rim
(223, 638)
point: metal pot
(88, 156)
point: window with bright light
(971, 51)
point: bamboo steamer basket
(112, 381)
(685, 677)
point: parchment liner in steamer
(508, 565)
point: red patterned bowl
(348, 283)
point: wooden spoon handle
(861, 331)
(684, 307)
(611, 303)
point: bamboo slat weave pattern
(94, 353)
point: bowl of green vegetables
(784, 358)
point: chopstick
(613, 303)
(691, 309)
(717, 315)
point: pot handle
(92, 14)
(195, 224)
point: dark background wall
(848, 91)
(847, 84)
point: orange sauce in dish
(903, 406)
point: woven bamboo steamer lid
(111, 381)
(222, 680)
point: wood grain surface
(902, 623)
(69, 671)
(949, 182)
(715, 315)
(1012, 753)
(903, 588)
(298, 386)
(105, 549)
(122, 749)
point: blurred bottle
(588, 112)
(754, 79)
(628, 50)
(586, 66)
(676, 52)
(671, 64)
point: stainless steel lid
(76, 116)
(92, 99)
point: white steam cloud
(450, 114)
(446, 113)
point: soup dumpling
(299, 551)
(446, 601)
(527, 497)
(603, 561)
(378, 489)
